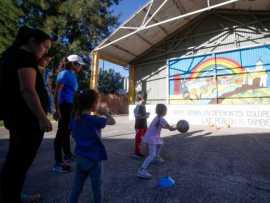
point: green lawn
(1, 124)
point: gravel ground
(208, 165)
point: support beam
(94, 70)
(125, 23)
(142, 26)
(131, 87)
(156, 21)
(160, 27)
(146, 27)
(181, 10)
(124, 50)
(155, 13)
(114, 60)
(191, 13)
(145, 40)
(181, 6)
(128, 28)
(146, 15)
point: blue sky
(125, 9)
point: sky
(125, 9)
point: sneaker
(33, 198)
(61, 168)
(143, 173)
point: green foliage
(110, 81)
(79, 24)
(83, 23)
(84, 77)
(9, 15)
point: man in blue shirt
(66, 86)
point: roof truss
(148, 18)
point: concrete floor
(208, 165)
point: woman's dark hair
(25, 34)
(68, 65)
(84, 100)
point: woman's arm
(27, 80)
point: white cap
(75, 58)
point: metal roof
(159, 18)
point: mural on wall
(234, 77)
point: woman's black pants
(62, 139)
(23, 147)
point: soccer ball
(182, 126)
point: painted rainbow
(226, 63)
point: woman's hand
(57, 115)
(45, 124)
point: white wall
(250, 116)
(211, 33)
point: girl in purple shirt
(153, 140)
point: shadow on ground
(206, 167)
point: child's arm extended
(105, 112)
(110, 119)
(169, 127)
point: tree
(110, 81)
(78, 24)
(8, 23)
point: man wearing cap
(66, 86)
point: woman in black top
(24, 107)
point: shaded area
(207, 165)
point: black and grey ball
(182, 126)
